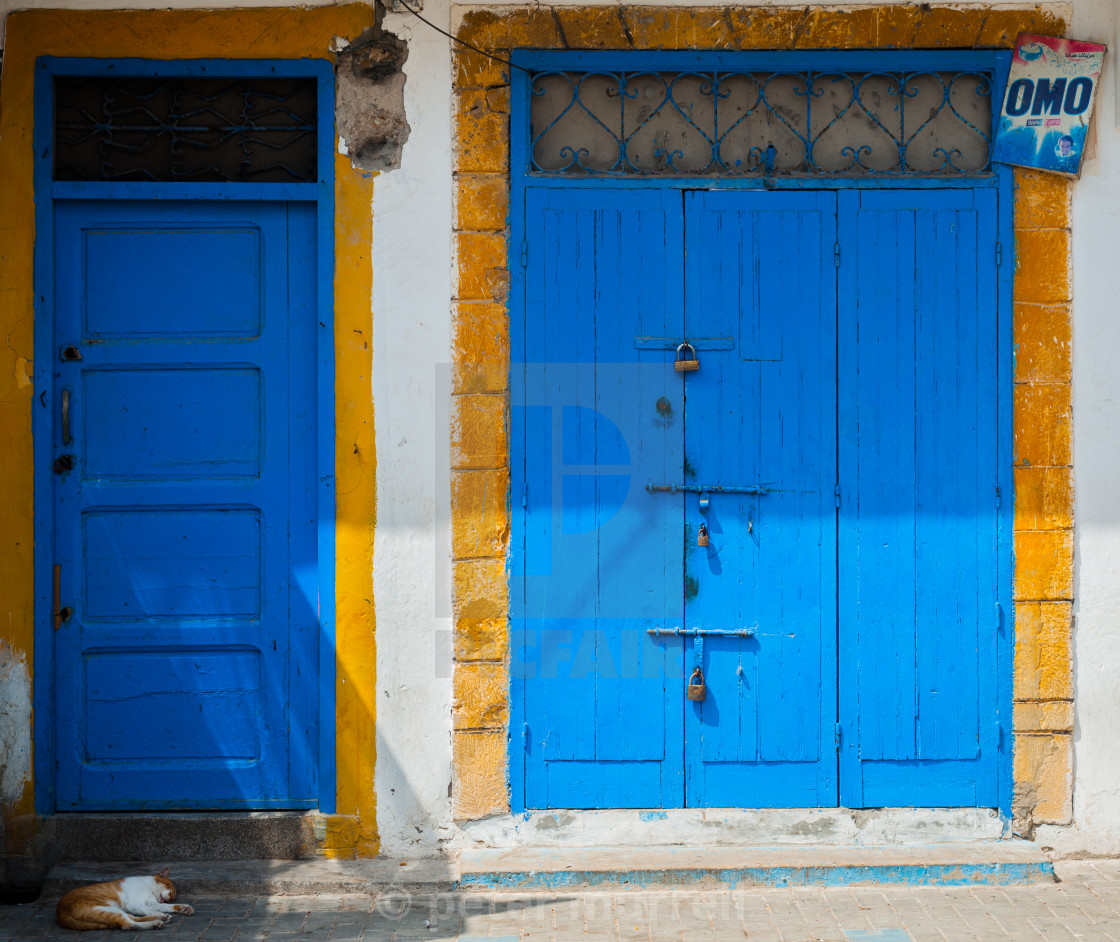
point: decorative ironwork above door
(719, 123)
(185, 129)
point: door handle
(60, 612)
(67, 438)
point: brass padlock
(686, 366)
(697, 689)
(702, 535)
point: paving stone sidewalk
(1084, 905)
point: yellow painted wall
(289, 33)
(1043, 527)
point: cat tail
(108, 919)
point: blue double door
(183, 441)
(837, 444)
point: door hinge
(999, 736)
(999, 254)
(836, 253)
(999, 497)
(999, 617)
(525, 736)
(524, 254)
(837, 735)
(836, 494)
(525, 494)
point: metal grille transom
(717, 123)
(185, 129)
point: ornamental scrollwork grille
(701, 123)
(193, 130)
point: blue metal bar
(697, 343)
(709, 489)
(651, 61)
(910, 181)
(704, 632)
(146, 190)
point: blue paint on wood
(182, 532)
(764, 412)
(918, 530)
(1001, 874)
(596, 558)
(919, 716)
(186, 311)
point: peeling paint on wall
(15, 727)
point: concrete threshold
(996, 863)
(993, 863)
(229, 878)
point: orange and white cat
(128, 903)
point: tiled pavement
(1084, 905)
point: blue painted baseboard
(972, 874)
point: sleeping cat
(128, 903)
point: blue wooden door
(838, 443)
(919, 558)
(762, 411)
(185, 526)
(597, 558)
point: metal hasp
(709, 489)
(704, 632)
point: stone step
(993, 863)
(1002, 862)
(249, 835)
(257, 878)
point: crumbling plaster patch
(369, 100)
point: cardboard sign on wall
(1046, 110)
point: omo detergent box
(1049, 99)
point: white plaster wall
(411, 394)
(1096, 461)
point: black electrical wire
(462, 42)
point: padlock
(697, 689)
(686, 366)
(702, 535)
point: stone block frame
(1043, 473)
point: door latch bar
(704, 632)
(709, 488)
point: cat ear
(165, 872)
